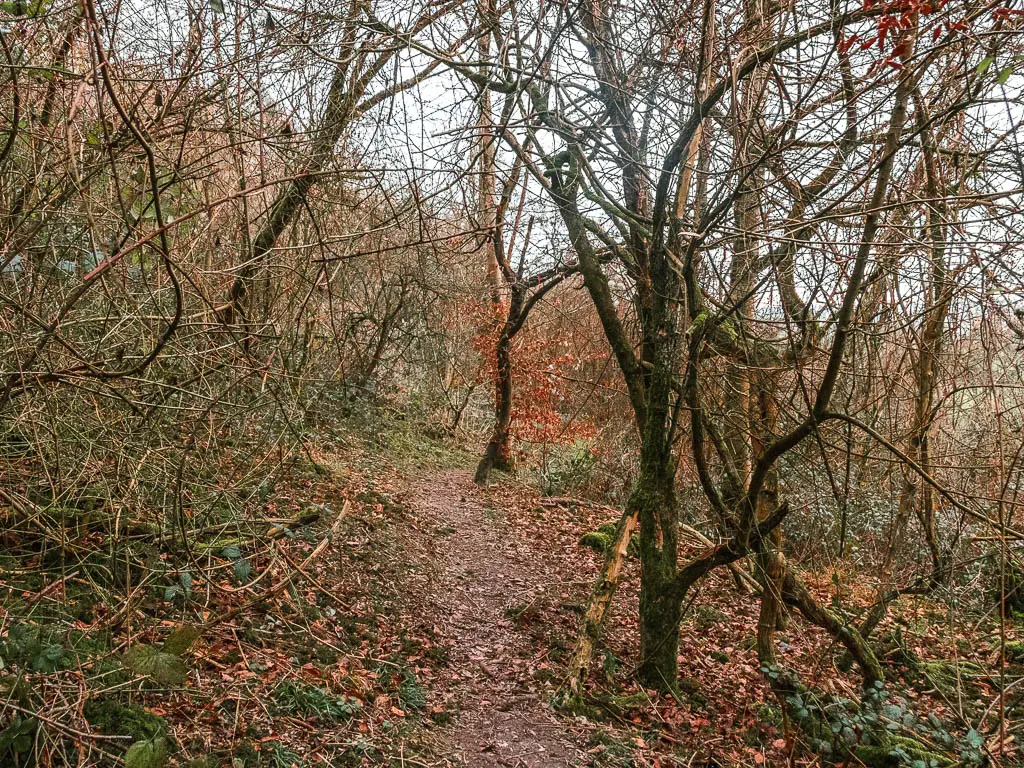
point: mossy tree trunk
(650, 383)
(654, 501)
(660, 250)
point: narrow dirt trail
(483, 571)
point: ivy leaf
(242, 569)
(48, 659)
(17, 736)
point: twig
(67, 728)
(272, 590)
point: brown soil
(483, 570)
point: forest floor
(431, 629)
(503, 719)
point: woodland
(511, 383)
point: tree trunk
(763, 421)
(498, 453)
(654, 501)
(773, 568)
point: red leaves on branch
(541, 359)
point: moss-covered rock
(595, 540)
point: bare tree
(677, 192)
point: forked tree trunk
(498, 453)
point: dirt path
(502, 721)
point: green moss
(611, 528)
(601, 539)
(1015, 652)
(729, 330)
(946, 676)
(897, 752)
(632, 701)
(597, 541)
(575, 706)
(108, 715)
(699, 321)
(216, 545)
